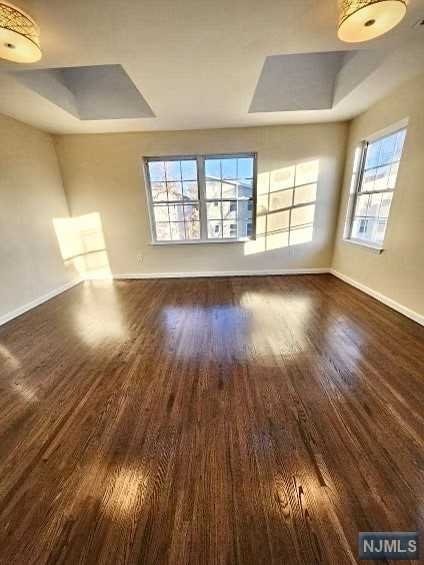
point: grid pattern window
(202, 198)
(174, 192)
(373, 183)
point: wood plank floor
(205, 421)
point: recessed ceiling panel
(101, 92)
(302, 81)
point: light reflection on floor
(16, 378)
(98, 318)
(237, 327)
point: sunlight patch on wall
(81, 241)
(285, 207)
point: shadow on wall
(82, 243)
(285, 207)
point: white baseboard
(34, 303)
(202, 274)
(381, 297)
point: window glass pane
(229, 168)
(213, 189)
(245, 211)
(394, 169)
(369, 233)
(215, 229)
(189, 170)
(192, 230)
(387, 149)
(176, 213)
(229, 210)
(362, 205)
(163, 231)
(368, 180)
(373, 151)
(245, 188)
(364, 229)
(159, 191)
(229, 189)
(175, 190)
(161, 212)
(177, 231)
(399, 145)
(385, 205)
(191, 212)
(213, 169)
(214, 210)
(374, 206)
(245, 229)
(361, 229)
(156, 171)
(190, 191)
(229, 229)
(245, 167)
(356, 228)
(382, 178)
(173, 170)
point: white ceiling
(197, 62)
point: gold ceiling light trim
(362, 20)
(19, 35)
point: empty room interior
(211, 282)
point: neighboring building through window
(373, 183)
(202, 198)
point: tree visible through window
(373, 183)
(201, 198)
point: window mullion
(202, 196)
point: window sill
(200, 242)
(372, 247)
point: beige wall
(398, 272)
(31, 195)
(103, 174)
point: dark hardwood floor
(205, 421)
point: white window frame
(200, 160)
(356, 183)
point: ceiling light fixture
(362, 20)
(19, 35)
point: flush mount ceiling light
(19, 35)
(362, 20)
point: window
(202, 198)
(373, 183)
